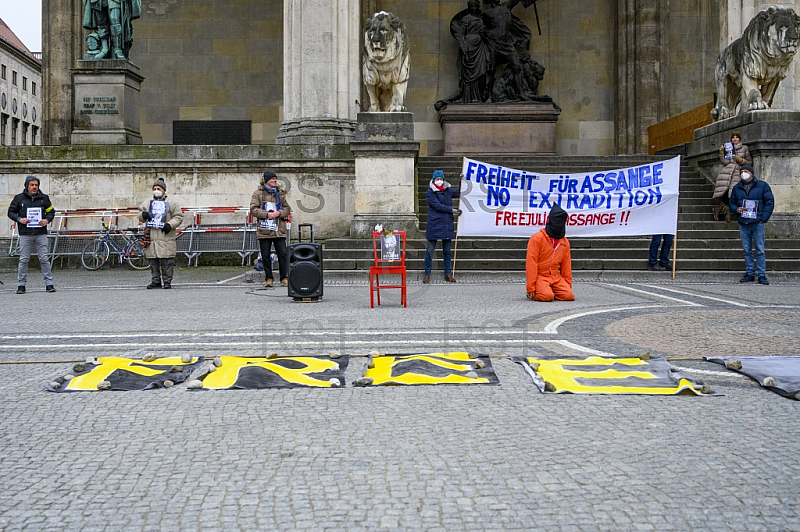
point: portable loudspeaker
(305, 270)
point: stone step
(635, 263)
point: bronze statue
(486, 40)
(112, 31)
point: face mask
(746, 176)
(157, 194)
(438, 182)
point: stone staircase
(702, 243)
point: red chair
(390, 259)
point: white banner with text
(504, 202)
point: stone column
(62, 39)
(321, 72)
(642, 48)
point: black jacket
(19, 209)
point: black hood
(556, 226)
(28, 180)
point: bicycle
(97, 252)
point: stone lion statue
(386, 62)
(750, 68)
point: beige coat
(162, 246)
(729, 174)
(257, 200)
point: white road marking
(681, 301)
(583, 349)
(709, 372)
(231, 279)
(728, 301)
(552, 327)
(283, 344)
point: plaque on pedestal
(519, 128)
(106, 103)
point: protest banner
(497, 201)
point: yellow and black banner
(125, 374)
(243, 373)
(431, 368)
(600, 375)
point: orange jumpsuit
(548, 269)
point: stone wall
(223, 59)
(319, 184)
(210, 60)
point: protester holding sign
(752, 199)
(163, 217)
(441, 224)
(733, 155)
(548, 266)
(268, 205)
(32, 211)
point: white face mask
(438, 182)
(746, 176)
(157, 194)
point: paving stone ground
(396, 458)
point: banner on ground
(497, 201)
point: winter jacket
(162, 245)
(22, 202)
(729, 174)
(545, 260)
(761, 192)
(441, 224)
(257, 201)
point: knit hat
(747, 168)
(160, 183)
(438, 173)
(556, 226)
(268, 174)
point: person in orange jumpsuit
(548, 266)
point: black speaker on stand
(305, 269)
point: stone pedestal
(106, 103)
(772, 137)
(500, 129)
(385, 187)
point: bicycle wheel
(136, 257)
(95, 254)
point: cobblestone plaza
(410, 458)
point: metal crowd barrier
(208, 230)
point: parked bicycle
(131, 249)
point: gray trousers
(27, 243)
(161, 270)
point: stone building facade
(615, 67)
(20, 92)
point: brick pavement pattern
(407, 458)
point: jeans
(448, 257)
(283, 257)
(27, 243)
(665, 249)
(753, 234)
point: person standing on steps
(733, 155)
(660, 262)
(441, 224)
